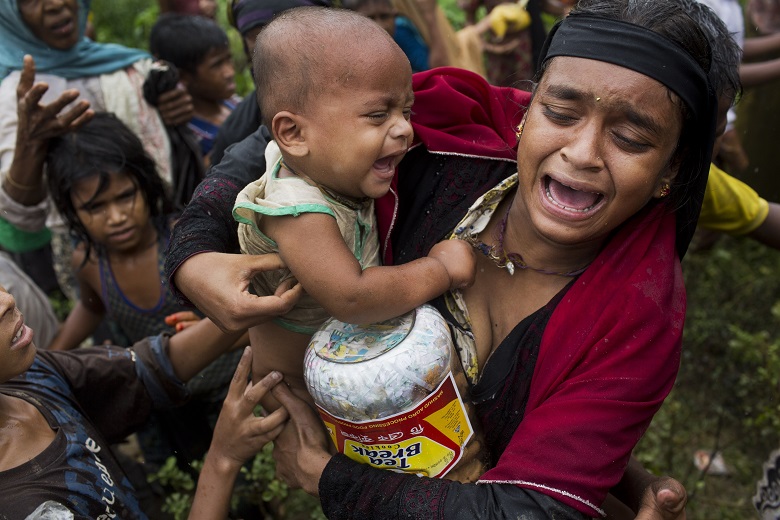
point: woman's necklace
(511, 261)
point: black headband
(633, 47)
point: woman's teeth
(18, 335)
(584, 201)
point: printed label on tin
(426, 440)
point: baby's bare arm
(312, 247)
(458, 258)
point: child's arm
(196, 347)
(81, 322)
(312, 247)
(238, 435)
(86, 315)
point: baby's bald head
(308, 51)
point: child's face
(382, 12)
(117, 217)
(214, 79)
(357, 134)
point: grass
(727, 395)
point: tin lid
(341, 342)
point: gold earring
(519, 131)
(665, 189)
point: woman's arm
(36, 125)
(757, 46)
(758, 73)
(768, 233)
(312, 247)
(348, 489)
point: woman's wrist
(314, 472)
(21, 185)
(24, 179)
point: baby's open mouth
(385, 163)
(570, 199)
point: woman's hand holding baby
(457, 257)
(223, 294)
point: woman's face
(54, 22)
(597, 145)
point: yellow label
(427, 439)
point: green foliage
(727, 395)
(60, 305)
(182, 486)
(454, 14)
(257, 490)
(127, 22)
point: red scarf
(609, 356)
(611, 350)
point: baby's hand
(458, 259)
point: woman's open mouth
(570, 199)
(62, 27)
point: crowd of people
(536, 178)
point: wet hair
(726, 54)
(185, 40)
(301, 52)
(683, 36)
(102, 147)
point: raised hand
(37, 123)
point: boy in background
(199, 49)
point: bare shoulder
(85, 265)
